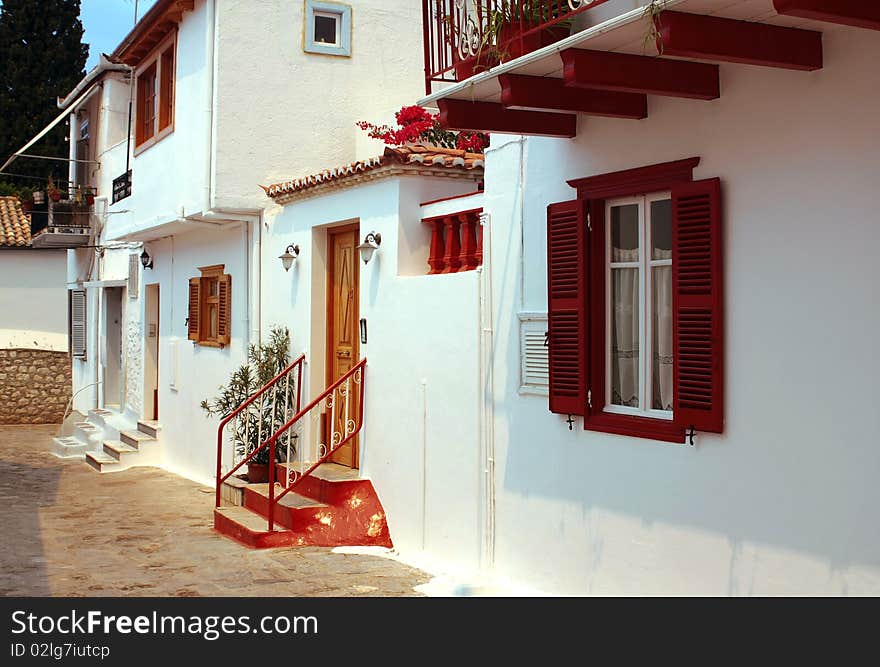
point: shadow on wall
(25, 490)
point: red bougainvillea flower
(416, 124)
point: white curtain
(661, 392)
(625, 331)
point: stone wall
(35, 386)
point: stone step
(118, 450)
(232, 491)
(69, 448)
(150, 427)
(136, 439)
(102, 462)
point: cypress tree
(42, 57)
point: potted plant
(89, 197)
(258, 421)
(52, 190)
(26, 200)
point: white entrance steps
(82, 434)
(134, 448)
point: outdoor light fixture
(369, 246)
(290, 254)
(146, 260)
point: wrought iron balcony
(63, 224)
(464, 37)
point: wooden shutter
(134, 273)
(698, 306)
(78, 323)
(195, 304)
(224, 310)
(566, 301)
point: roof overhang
(611, 68)
(162, 19)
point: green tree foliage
(42, 57)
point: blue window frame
(328, 28)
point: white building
(224, 98)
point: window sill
(636, 427)
(209, 343)
(152, 141)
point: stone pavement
(69, 531)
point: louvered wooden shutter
(134, 273)
(78, 323)
(195, 304)
(698, 306)
(566, 304)
(224, 311)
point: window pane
(212, 320)
(661, 229)
(661, 344)
(625, 337)
(625, 233)
(325, 29)
(214, 289)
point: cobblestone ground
(69, 531)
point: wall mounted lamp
(369, 246)
(146, 260)
(290, 254)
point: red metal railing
(243, 411)
(456, 242)
(340, 406)
(461, 36)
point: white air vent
(534, 358)
(134, 273)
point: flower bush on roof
(417, 125)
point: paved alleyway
(68, 531)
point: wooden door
(343, 328)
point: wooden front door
(343, 327)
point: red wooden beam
(729, 40)
(628, 73)
(536, 93)
(491, 117)
(858, 13)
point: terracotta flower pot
(258, 473)
(55, 195)
(513, 46)
(465, 69)
(27, 206)
(90, 200)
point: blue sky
(107, 22)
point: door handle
(343, 353)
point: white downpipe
(210, 100)
(486, 417)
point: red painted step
(332, 507)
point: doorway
(151, 353)
(113, 366)
(343, 300)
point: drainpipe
(486, 412)
(210, 100)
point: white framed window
(638, 318)
(327, 28)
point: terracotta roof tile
(414, 155)
(15, 225)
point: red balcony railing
(463, 37)
(456, 242)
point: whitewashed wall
(33, 299)
(420, 444)
(189, 437)
(170, 179)
(286, 113)
(786, 501)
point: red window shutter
(224, 311)
(698, 312)
(195, 303)
(566, 306)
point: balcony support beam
(491, 117)
(624, 72)
(536, 93)
(856, 13)
(729, 40)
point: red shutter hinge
(589, 223)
